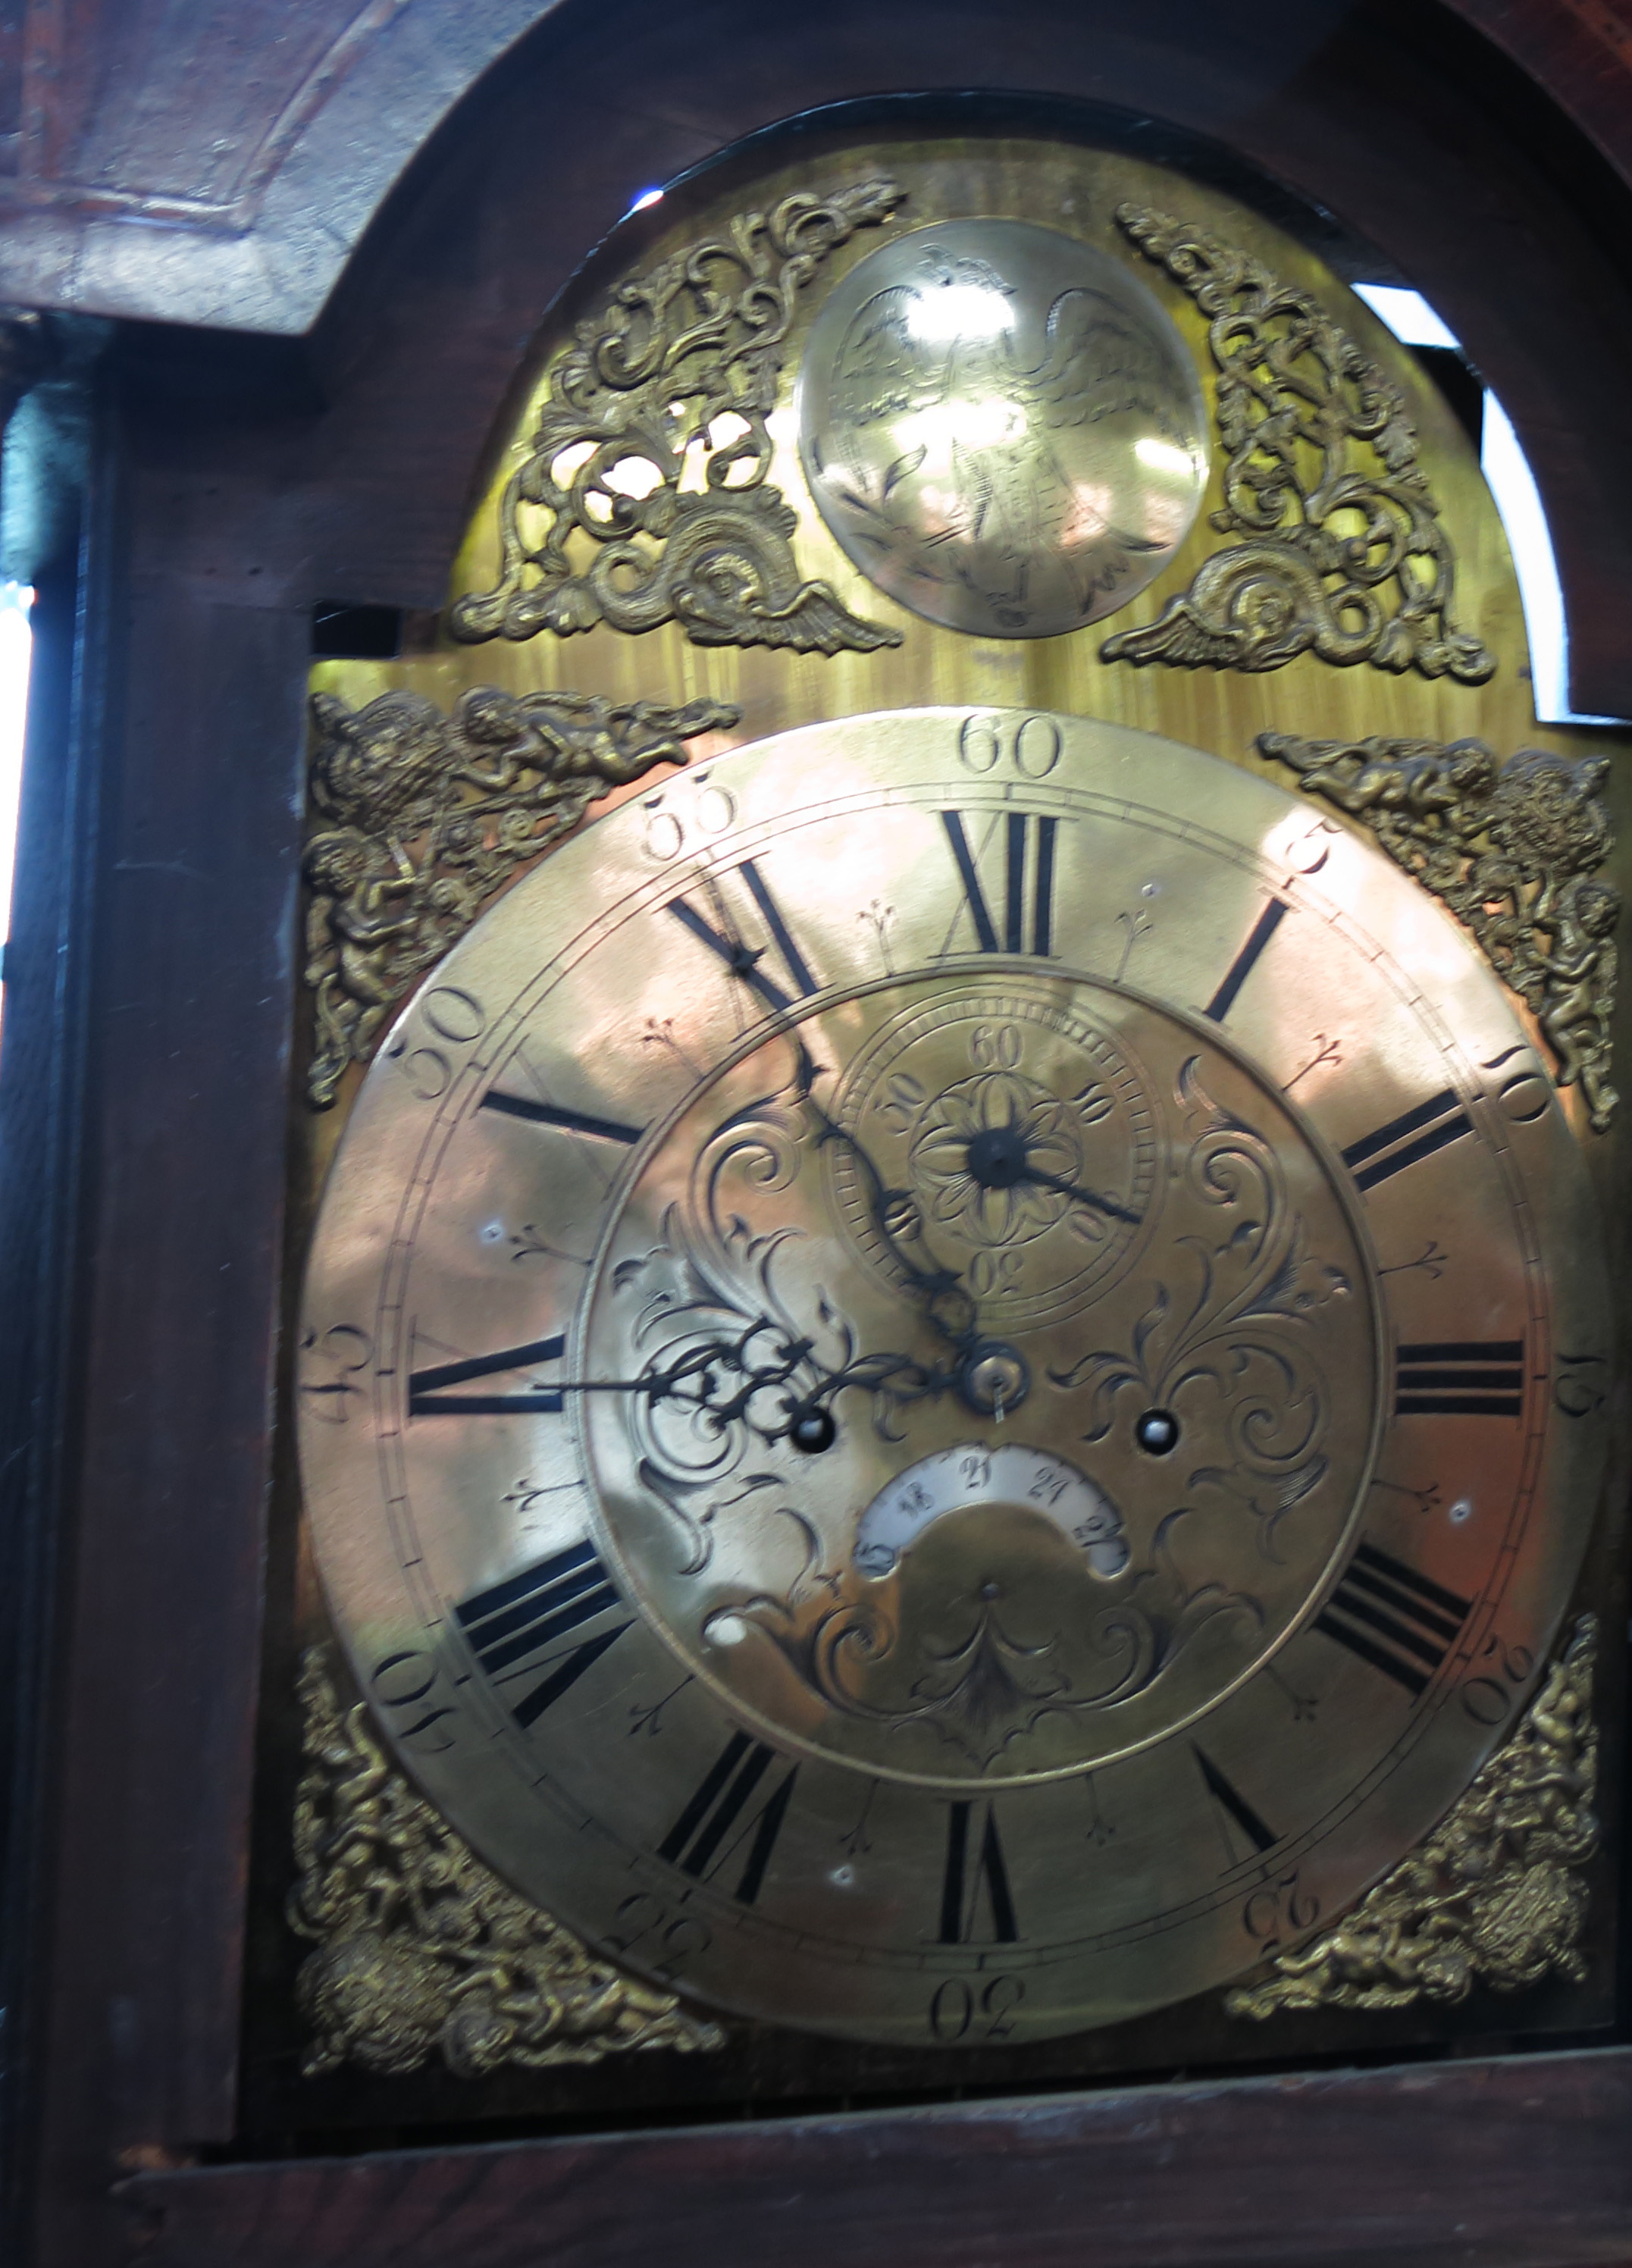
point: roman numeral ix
(1414, 1135)
(1028, 882)
(1460, 1378)
(526, 1613)
(724, 937)
(1389, 1616)
(430, 1394)
(702, 1838)
(974, 1864)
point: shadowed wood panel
(1522, 2163)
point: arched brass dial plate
(951, 1376)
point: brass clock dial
(949, 1375)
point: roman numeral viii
(431, 1394)
(525, 1614)
(1460, 1378)
(1414, 1135)
(974, 1863)
(717, 1821)
(723, 935)
(1027, 882)
(1389, 1616)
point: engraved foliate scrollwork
(643, 496)
(422, 1953)
(422, 817)
(1492, 1897)
(1514, 850)
(1342, 553)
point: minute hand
(1104, 1204)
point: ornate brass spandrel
(422, 815)
(1343, 552)
(1514, 850)
(422, 1952)
(671, 382)
(1492, 1897)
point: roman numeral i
(526, 1613)
(430, 1392)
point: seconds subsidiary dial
(951, 1376)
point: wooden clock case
(234, 485)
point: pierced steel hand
(946, 1300)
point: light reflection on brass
(877, 1103)
(1514, 850)
(422, 817)
(1001, 427)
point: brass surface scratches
(1490, 1897)
(425, 814)
(652, 446)
(1342, 554)
(422, 1952)
(1513, 849)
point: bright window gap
(16, 644)
(1512, 485)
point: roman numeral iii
(1387, 1615)
(1460, 1378)
(707, 1836)
(525, 1614)
(1028, 849)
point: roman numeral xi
(751, 964)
